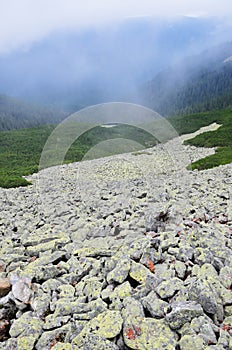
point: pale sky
(23, 22)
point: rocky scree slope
(127, 252)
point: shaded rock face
(139, 261)
(5, 287)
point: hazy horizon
(60, 53)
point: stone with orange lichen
(149, 334)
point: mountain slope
(15, 114)
(199, 83)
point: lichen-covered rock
(230, 343)
(61, 239)
(62, 346)
(53, 321)
(122, 291)
(51, 285)
(132, 309)
(66, 291)
(186, 329)
(201, 292)
(203, 256)
(26, 342)
(180, 268)
(228, 321)
(164, 271)
(106, 325)
(26, 325)
(167, 289)
(182, 312)
(139, 272)
(185, 252)
(224, 339)
(40, 273)
(228, 310)
(191, 343)
(149, 334)
(107, 292)
(169, 243)
(151, 255)
(154, 305)
(91, 274)
(203, 326)
(93, 251)
(92, 288)
(137, 248)
(95, 342)
(120, 272)
(41, 303)
(66, 307)
(50, 338)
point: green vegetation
(220, 138)
(197, 84)
(222, 156)
(20, 150)
(16, 114)
(208, 90)
(20, 153)
(190, 123)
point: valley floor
(126, 252)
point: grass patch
(20, 150)
(220, 138)
(222, 156)
(20, 153)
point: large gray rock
(49, 338)
(167, 289)
(120, 272)
(95, 342)
(149, 334)
(154, 305)
(106, 325)
(201, 292)
(26, 325)
(183, 312)
(192, 343)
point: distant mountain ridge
(69, 68)
(197, 84)
(16, 114)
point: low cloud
(25, 22)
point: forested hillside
(198, 84)
(15, 114)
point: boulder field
(125, 252)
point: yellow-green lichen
(149, 334)
(26, 343)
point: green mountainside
(198, 84)
(16, 114)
